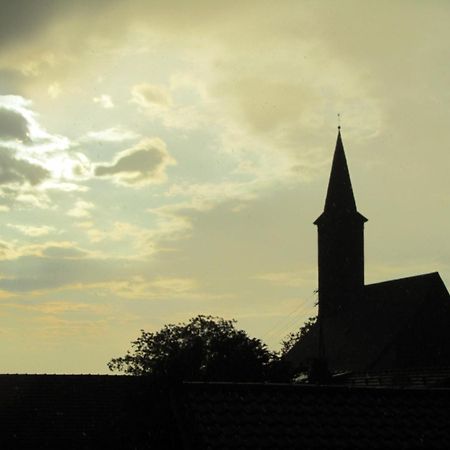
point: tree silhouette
(292, 338)
(205, 348)
(301, 372)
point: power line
(287, 321)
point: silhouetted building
(398, 324)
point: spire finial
(339, 121)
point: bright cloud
(31, 156)
(113, 134)
(81, 209)
(54, 90)
(138, 287)
(105, 101)
(33, 231)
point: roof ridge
(423, 275)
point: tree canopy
(205, 348)
(292, 338)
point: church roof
(340, 199)
(397, 323)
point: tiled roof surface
(242, 416)
(81, 412)
(398, 323)
(109, 412)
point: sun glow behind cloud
(162, 159)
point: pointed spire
(340, 196)
(340, 199)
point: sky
(163, 159)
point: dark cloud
(143, 164)
(139, 161)
(30, 273)
(13, 125)
(22, 19)
(14, 170)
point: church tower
(341, 241)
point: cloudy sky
(161, 159)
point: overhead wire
(286, 322)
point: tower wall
(341, 263)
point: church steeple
(340, 192)
(341, 241)
(340, 199)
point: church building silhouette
(401, 324)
